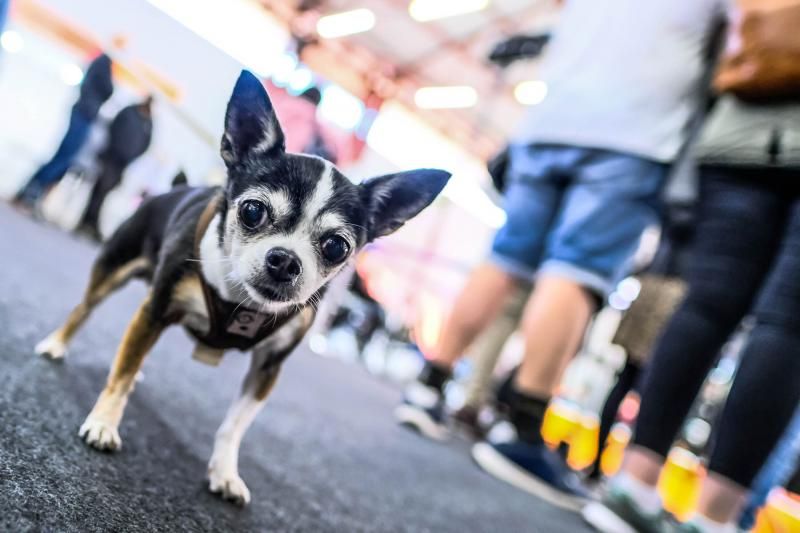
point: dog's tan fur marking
(266, 381)
(187, 300)
(101, 284)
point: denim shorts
(576, 213)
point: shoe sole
(501, 468)
(418, 420)
(605, 520)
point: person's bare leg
(721, 499)
(554, 323)
(479, 303)
(643, 465)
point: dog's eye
(252, 213)
(335, 249)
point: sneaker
(468, 419)
(682, 527)
(533, 468)
(673, 526)
(422, 409)
(618, 513)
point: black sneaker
(618, 513)
(422, 409)
(533, 468)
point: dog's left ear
(395, 198)
(251, 126)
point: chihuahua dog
(240, 267)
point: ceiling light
(446, 97)
(345, 23)
(285, 65)
(426, 10)
(300, 80)
(71, 74)
(11, 41)
(341, 107)
(530, 92)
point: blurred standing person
(95, 90)
(485, 352)
(584, 179)
(129, 136)
(783, 461)
(661, 290)
(3, 14)
(304, 133)
(746, 259)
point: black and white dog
(239, 267)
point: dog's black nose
(283, 266)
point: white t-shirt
(624, 75)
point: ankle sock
(434, 375)
(706, 525)
(526, 413)
(643, 495)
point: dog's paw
(100, 435)
(228, 485)
(52, 347)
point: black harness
(230, 325)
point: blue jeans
(3, 14)
(575, 212)
(745, 260)
(52, 171)
(776, 471)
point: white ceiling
(449, 51)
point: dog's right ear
(251, 125)
(393, 199)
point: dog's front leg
(100, 429)
(223, 468)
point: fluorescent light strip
(11, 41)
(530, 92)
(345, 23)
(427, 10)
(455, 97)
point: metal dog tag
(246, 323)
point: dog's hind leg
(100, 429)
(223, 468)
(103, 281)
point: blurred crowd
(96, 168)
(638, 93)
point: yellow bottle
(583, 446)
(617, 441)
(680, 481)
(561, 421)
(781, 514)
